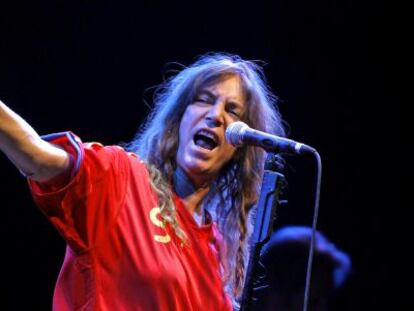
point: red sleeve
(84, 208)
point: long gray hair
(236, 189)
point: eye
(235, 113)
(234, 110)
(202, 99)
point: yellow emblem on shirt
(154, 219)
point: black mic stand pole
(265, 213)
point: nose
(215, 115)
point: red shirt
(119, 255)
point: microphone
(239, 133)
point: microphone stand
(265, 213)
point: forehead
(231, 86)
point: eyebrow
(235, 102)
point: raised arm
(33, 156)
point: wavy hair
(236, 189)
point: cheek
(185, 127)
(228, 152)
(181, 134)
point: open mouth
(206, 140)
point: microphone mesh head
(234, 133)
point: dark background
(86, 66)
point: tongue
(204, 143)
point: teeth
(208, 134)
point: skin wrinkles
(213, 110)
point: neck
(191, 195)
(182, 184)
